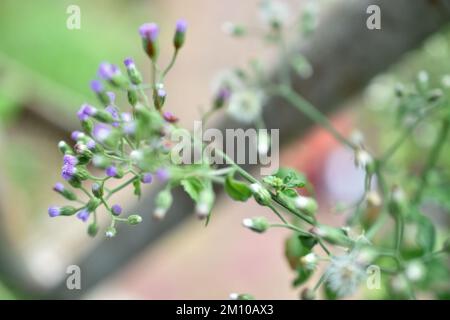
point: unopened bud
(258, 224)
(134, 219)
(261, 194)
(306, 204)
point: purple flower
(126, 116)
(58, 187)
(129, 128)
(149, 31)
(162, 174)
(91, 144)
(116, 209)
(68, 171)
(170, 117)
(101, 132)
(181, 26)
(54, 211)
(83, 215)
(147, 177)
(96, 86)
(129, 63)
(86, 111)
(162, 93)
(112, 97)
(76, 135)
(224, 94)
(111, 171)
(107, 71)
(70, 160)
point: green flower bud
(93, 204)
(398, 204)
(241, 296)
(306, 204)
(92, 229)
(104, 116)
(68, 211)
(308, 294)
(163, 201)
(97, 190)
(83, 152)
(65, 148)
(81, 174)
(261, 195)
(110, 232)
(75, 182)
(332, 235)
(87, 126)
(132, 97)
(134, 219)
(101, 161)
(257, 224)
(205, 203)
(68, 194)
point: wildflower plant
(134, 147)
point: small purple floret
(181, 26)
(116, 209)
(70, 160)
(149, 31)
(76, 135)
(147, 177)
(68, 171)
(58, 187)
(101, 132)
(83, 215)
(107, 71)
(111, 171)
(162, 174)
(91, 144)
(129, 63)
(96, 86)
(54, 211)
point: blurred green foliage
(40, 58)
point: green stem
(311, 112)
(172, 62)
(432, 159)
(123, 185)
(291, 227)
(278, 214)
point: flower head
(86, 111)
(245, 105)
(116, 209)
(101, 132)
(129, 63)
(68, 171)
(58, 187)
(147, 178)
(345, 274)
(170, 117)
(75, 135)
(162, 174)
(181, 26)
(70, 160)
(54, 211)
(111, 171)
(149, 31)
(83, 215)
(107, 71)
(96, 86)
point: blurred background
(45, 70)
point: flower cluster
(117, 144)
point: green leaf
(237, 190)
(193, 187)
(291, 177)
(426, 235)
